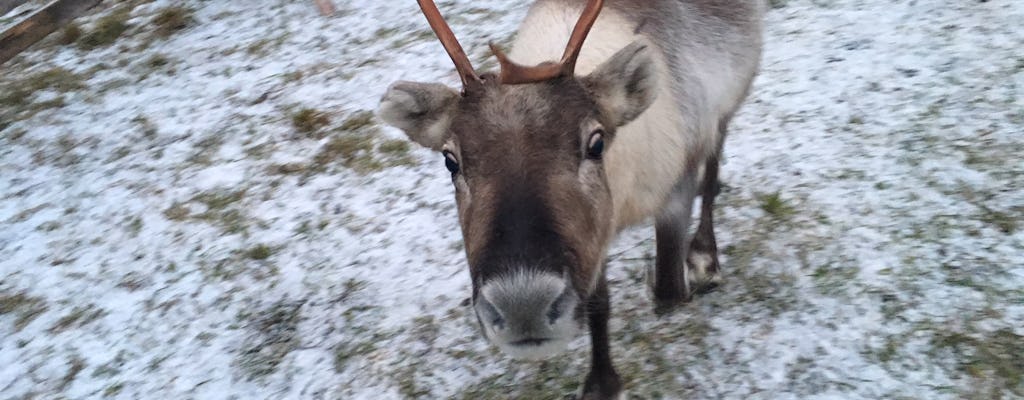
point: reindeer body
(708, 52)
(550, 161)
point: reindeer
(551, 159)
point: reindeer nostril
(558, 307)
(490, 314)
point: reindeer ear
(421, 110)
(626, 84)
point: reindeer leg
(702, 260)
(671, 283)
(602, 383)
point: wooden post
(326, 7)
(39, 25)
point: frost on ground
(197, 202)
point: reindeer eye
(596, 145)
(450, 162)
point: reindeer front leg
(602, 382)
(671, 282)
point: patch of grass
(19, 93)
(309, 120)
(775, 206)
(26, 214)
(1002, 221)
(157, 61)
(264, 46)
(352, 150)
(177, 212)
(407, 385)
(357, 121)
(832, 280)
(395, 152)
(993, 357)
(133, 281)
(293, 76)
(70, 34)
(218, 200)
(346, 351)
(80, 316)
(206, 148)
(394, 147)
(75, 366)
(172, 19)
(113, 390)
(545, 380)
(106, 31)
(288, 168)
(15, 135)
(259, 252)
(112, 367)
(135, 226)
(273, 334)
(26, 307)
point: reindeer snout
(528, 315)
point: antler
(450, 43)
(512, 73)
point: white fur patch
(544, 351)
(529, 292)
(649, 154)
(507, 288)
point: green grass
(221, 210)
(394, 147)
(113, 390)
(344, 352)
(1000, 220)
(259, 252)
(177, 212)
(273, 333)
(25, 307)
(309, 121)
(219, 200)
(75, 366)
(350, 150)
(19, 93)
(172, 19)
(106, 31)
(774, 205)
(78, 317)
(357, 121)
(995, 359)
(70, 34)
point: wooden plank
(39, 25)
(7, 5)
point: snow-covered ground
(173, 225)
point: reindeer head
(525, 149)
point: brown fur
(530, 139)
(658, 79)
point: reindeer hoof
(607, 387)
(668, 296)
(702, 272)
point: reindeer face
(526, 161)
(525, 151)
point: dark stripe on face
(522, 235)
